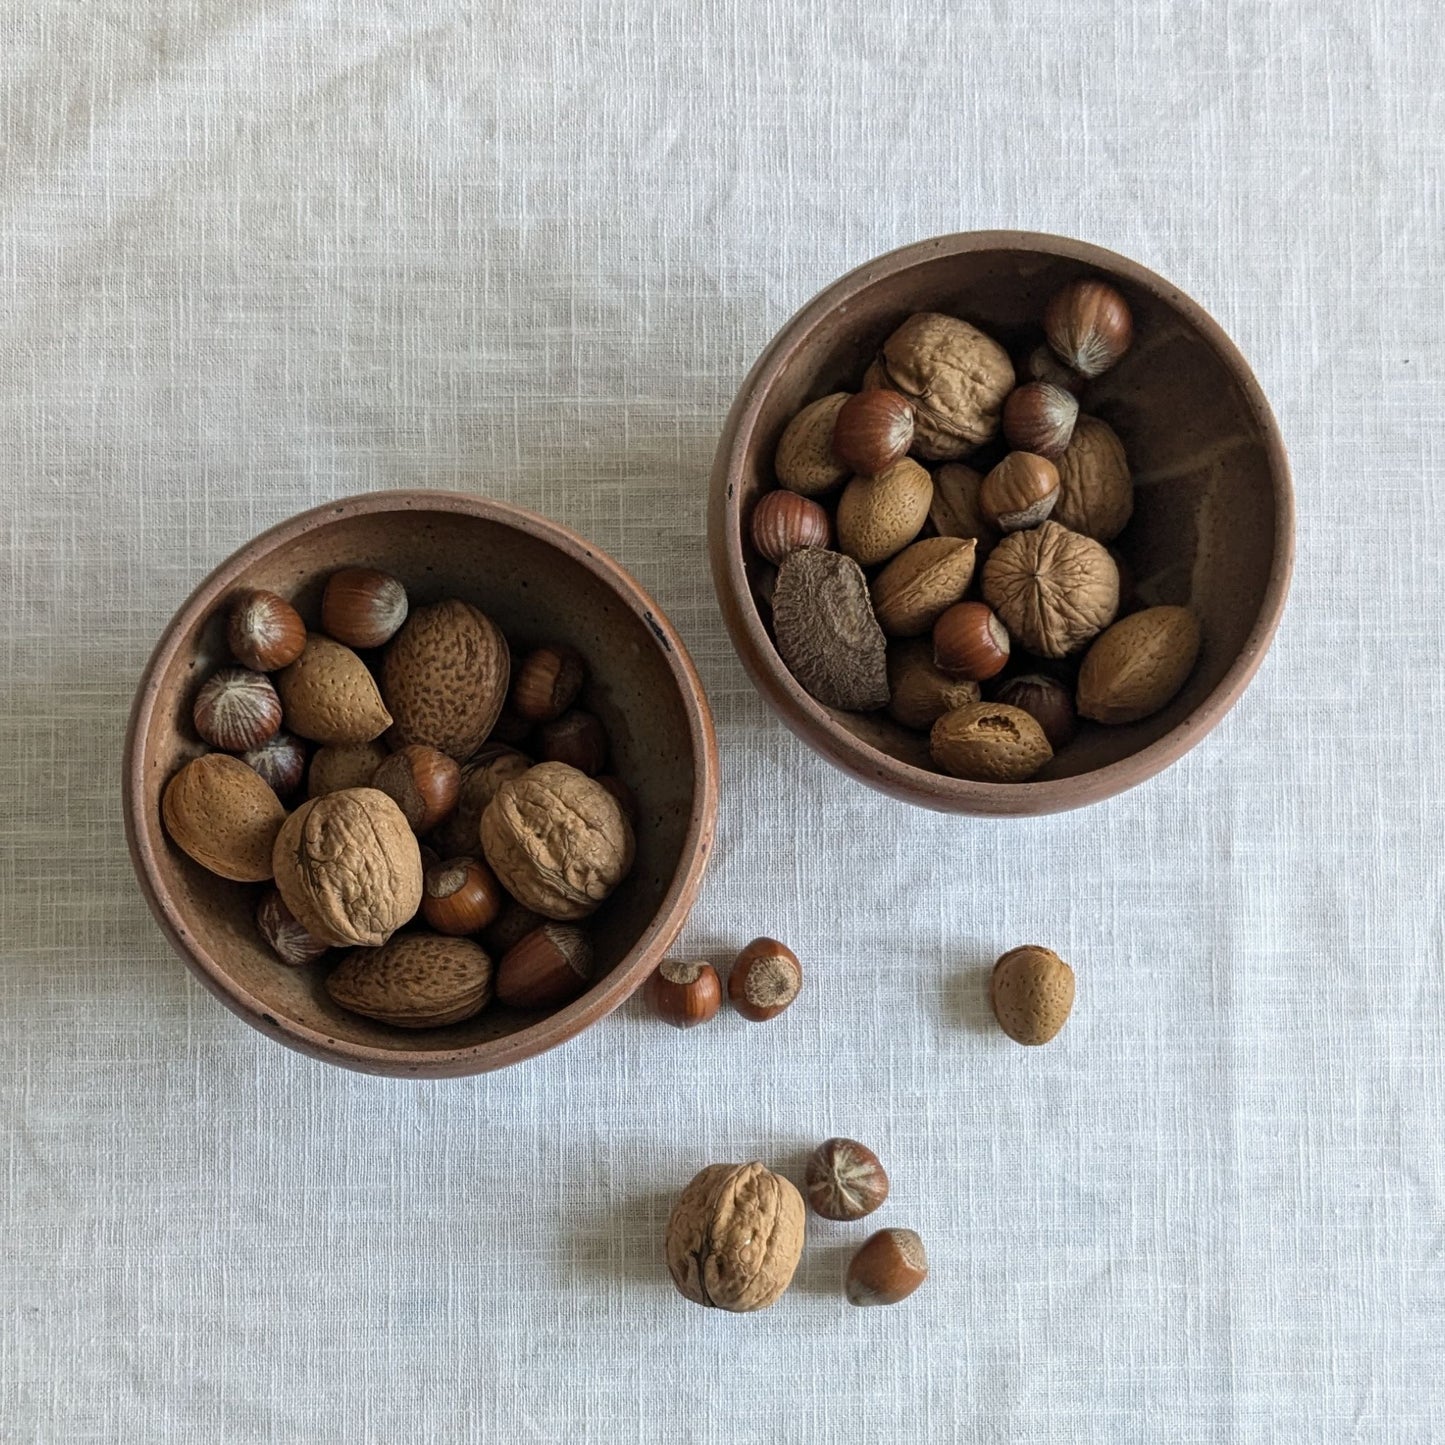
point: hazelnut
(804, 462)
(577, 739)
(1042, 365)
(363, 607)
(423, 782)
(460, 896)
(920, 692)
(872, 431)
(1054, 589)
(289, 941)
(546, 968)
(765, 979)
(887, 1268)
(1039, 417)
(545, 682)
(783, 521)
(281, 760)
(969, 641)
(844, 1180)
(1047, 701)
(237, 709)
(684, 992)
(1019, 492)
(1089, 326)
(989, 742)
(1031, 991)
(264, 631)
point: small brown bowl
(538, 581)
(1214, 512)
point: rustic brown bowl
(1214, 513)
(538, 581)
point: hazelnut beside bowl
(442, 544)
(1212, 527)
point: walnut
(348, 866)
(1096, 494)
(558, 841)
(1053, 588)
(735, 1237)
(956, 377)
(459, 835)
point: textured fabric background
(255, 255)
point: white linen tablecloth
(259, 253)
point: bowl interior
(536, 593)
(1200, 440)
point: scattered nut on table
(888, 1267)
(1031, 991)
(684, 992)
(844, 1180)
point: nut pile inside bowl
(942, 538)
(429, 844)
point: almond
(221, 813)
(444, 677)
(804, 462)
(417, 981)
(343, 765)
(878, 516)
(1031, 990)
(328, 695)
(1138, 665)
(989, 742)
(921, 583)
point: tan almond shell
(224, 815)
(557, 840)
(1096, 492)
(804, 462)
(921, 582)
(735, 1237)
(826, 632)
(348, 866)
(955, 510)
(919, 691)
(417, 981)
(989, 742)
(1138, 665)
(338, 766)
(459, 834)
(327, 695)
(1054, 589)
(957, 379)
(1031, 990)
(878, 516)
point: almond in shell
(879, 516)
(804, 462)
(1031, 990)
(327, 695)
(1138, 665)
(417, 981)
(989, 742)
(221, 813)
(921, 583)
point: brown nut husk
(804, 462)
(1096, 493)
(735, 1237)
(826, 632)
(1031, 991)
(349, 868)
(989, 742)
(444, 676)
(1138, 665)
(558, 841)
(955, 376)
(221, 813)
(327, 695)
(921, 582)
(1053, 588)
(417, 981)
(878, 516)
(481, 778)
(920, 691)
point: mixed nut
(415, 817)
(914, 530)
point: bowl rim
(556, 1028)
(807, 718)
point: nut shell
(237, 709)
(873, 430)
(264, 631)
(989, 742)
(444, 676)
(955, 510)
(548, 967)
(330, 697)
(887, 1268)
(423, 782)
(735, 1237)
(1096, 492)
(222, 814)
(288, 940)
(878, 516)
(338, 766)
(460, 896)
(1089, 326)
(363, 607)
(1138, 665)
(955, 376)
(1047, 701)
(557, 840)
(969, 641)
(845, 1180)
(461, 832)
(578, 739)
(546, 682)
(920, 692)
(921, 582)
(783, 521)
(349, 868)
(1019, 492)
(280, 760)
(765, 980)
(417, 981)
(804, 462)
(1039, 417)
(1031, 991)
(826, 632)
(684, 992)
(1053, 588)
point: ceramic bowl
(539, 582)
(1213, 525)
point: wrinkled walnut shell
(1096, 493)
(1053, 588)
